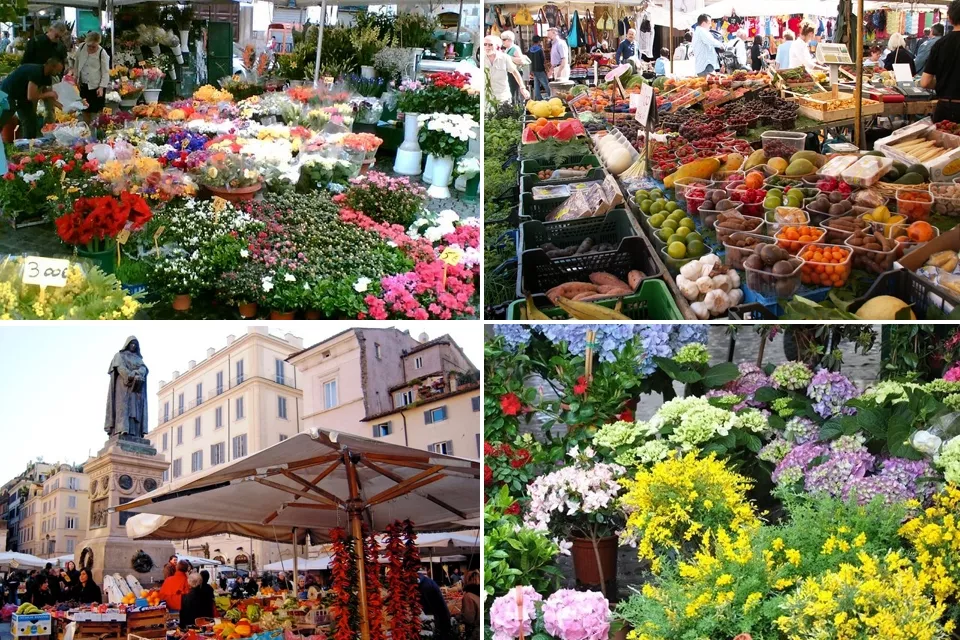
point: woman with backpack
(684, 50)
(91, 72)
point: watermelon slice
(548, 130)
(565, 134)
(529, 136)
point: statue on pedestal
(127, 398)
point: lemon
(677, 250)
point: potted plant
(29, 191)
(95, 223)
(365, 143)
(445, 136)
(283, 293)
(367, 43)
(232, 176)
(580, 501)
(242, 279)
(132, 274)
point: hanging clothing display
(645, 37)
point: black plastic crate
(928, 301)
(528, 167)
(609, 229)
(531, 209)
(527, 182)
(539, 274)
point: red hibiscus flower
(581, 387)
(513, 510)
(510, 404)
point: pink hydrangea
(952, 375)
(507, 617)
(577, 615)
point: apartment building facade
(17, 492)
(63, 512)
(240, 399)
(386, 384)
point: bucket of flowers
(151, 76)
(126, 85)
(95, 222)
(446, 137)
(235, 177)
(367, 143)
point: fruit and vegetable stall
(724, 212)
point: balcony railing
(286, 381)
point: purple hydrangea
(801, 430)
(751, 378)
(515, 335)
(848, 461)
(830, 391)
(794, 465)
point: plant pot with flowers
(127, 86)
(445, 136)
(580, 502)
(234, 177)
(365, 143)
(95, 223)
(242, 284)
(410, 104)
(150, 74)
(283, 294)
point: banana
(588, 311)
(533, 313)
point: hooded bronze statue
(127, 399)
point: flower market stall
(332, 508)
(789, 484)
(218, 207)
(741, 178)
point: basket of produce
(652, 302)
(825, 265)
(827, 108)
(607, 273)
(946, 198)
(567, 176)
(872, 252)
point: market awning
(148, 526)
(305, 481)
(15, 560)
(197, 561)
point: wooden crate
(100, 630)
(151, 623)
(815, 106)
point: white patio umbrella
(15, 560)
(326, 479)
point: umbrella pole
(296, 576)
(355, 508)
(323, 22)
(858, 89)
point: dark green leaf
(832, 428)
(721, 374)
(767, 394)
(676, 371)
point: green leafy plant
(367, 44)
(413, 30)
(131, 272)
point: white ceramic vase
(442, 173)
(155, 49)
(427, 176)
(185, 39)
(366, 71)
(409, 155)
(151, 96)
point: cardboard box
(37, 624)
(942, 169)
(941, 297)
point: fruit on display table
(873, 252)
(677, 231)
(833, 203)
(729, 222)
(884, 308)
(825, 265)
(616, 156)
(793, 239)
(886, 223)
(771, 271)
(919, 231)
(778, 198)
(543, 129)
(552, 108)
(709, 286)
(703, 168)
(921, 149)
(915, 205)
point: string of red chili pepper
(411, 580)
(371, 565)
(396, 604)
(343, 570)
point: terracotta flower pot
(585, 567)
(239, 194)
(313, 315)
(181, 302)
(248, 309)
(282, 315)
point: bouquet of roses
(94, 222)
(365, 142)
(149, 74)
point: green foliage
(505, 372)
(554, 152)
(415, 31)
(501, 130)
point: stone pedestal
(125, 469)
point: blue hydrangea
(830, 392)
(516, 336)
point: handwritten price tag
(451, 256)
(123, 236)
(46, 272)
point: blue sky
(53, 378)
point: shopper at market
(923, 53)
(27, 85)
(627, 48)
(197, 602)
(800, 51)
(283, 584)
(873, 60)
(4, 42)
(239, 588)
(684, 50)
(174, 587)
(206, 587)
(470, 607)
(921, 40)
(942, 72)
(783, 50)
(538, 70)
(738, 47)
(41, 595)
(756, 53)
(899, 54)
(499, 66)
(13, 586)
(660, 66)
(705, 48)
(431, 599)
(88, 592)
(91, 72)
(559, 55)
(69, 581)
(47, 45)
(53, 580)
(516, 55)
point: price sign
(451, 256)
(46, 272)
(107, 111)
(643, 106)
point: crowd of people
(52, 585)
(47, 58)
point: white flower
(32, 177)
(267, 283)
(361, 285)
(244, 253)
(288, 277)
(392, 244)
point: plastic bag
(931, 440)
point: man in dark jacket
(47, 45)
(538, 70)
(431, 599)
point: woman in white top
(91, 72)
(501, 66)
(800, 51)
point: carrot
(604, 278)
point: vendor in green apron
(27, 85)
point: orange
(920, 231)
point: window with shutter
(428, 417)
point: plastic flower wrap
(577, 615)
(830, 392)
(792, 376)
(209, 93)
(508, 619)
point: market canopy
(312, 480)
(15, 560)
(148, 526)
(197, 561)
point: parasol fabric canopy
(314, 480)
(148, 526)
(15, 560)
(197, 561)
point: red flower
(581, 387)
(510, 404)
(39, 158)
(626, 415)
(8, 176)
(523, 457)
(487, 475)
(513, 510)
